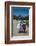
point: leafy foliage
(21, 17)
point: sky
(23, 11)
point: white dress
(19, 27)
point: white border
(30, 25)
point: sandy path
(15, 30)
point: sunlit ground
(16, 31)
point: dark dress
(24, 27)
(21, 28)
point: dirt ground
(15, 30)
